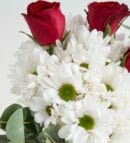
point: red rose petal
(41, 31)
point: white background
(11, 22)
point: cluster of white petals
(81, 87)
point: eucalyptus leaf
(31, 128)
(48, 140)
(32, 141)
(15, 127)
(3, 139)
(53, 132)
(44, 137)
(7, 114)
(41, 137)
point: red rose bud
(127, 61)
(102, 14)
(46, 21)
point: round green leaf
(8, 113)
(15, 127)
(3, 139)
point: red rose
(101, 14)
(127, 61)
(46, 21)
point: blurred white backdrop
(11, 22)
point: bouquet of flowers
(71, 77)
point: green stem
(25, 123)
(50, 50)
(2, 122)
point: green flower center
(84, 65)
(48, 110)
(109, 88)
(112, 106)
(110, 136)
(67, 92)
(87, 122)
(34, 73)
(107, 63)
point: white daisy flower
(116, 80)
(93, 53)
(65, 83)
(78, 26)
(121, 132)
(88, 121)
(74, 53)
(24, 74)
(119, 45)
(75, 21)
(97, 48)
(43, 108)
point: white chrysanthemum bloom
(79, 28)
(83, 45)
(97, 50)
(65, 83)
(43, 107)
(119, 45)
(96, 88)
(121, 132)
(73, 22)
(49, 67)
(88, 121)
(116, 80)
(93, 54)
(74, 53)
(64, 55)
(24, 69)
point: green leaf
(28, 35)
(107, 63)
(44, 137)
(3, 139)
(48, 140)
(32, 141)
(65, 39)
(123, 59)
(109, 87)
(41, 137)
(53, 132)
(85, 11)
(107, 31)
(31, 128)
(7, 114)
(65, 36)
(50, 50)
(15, 127)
